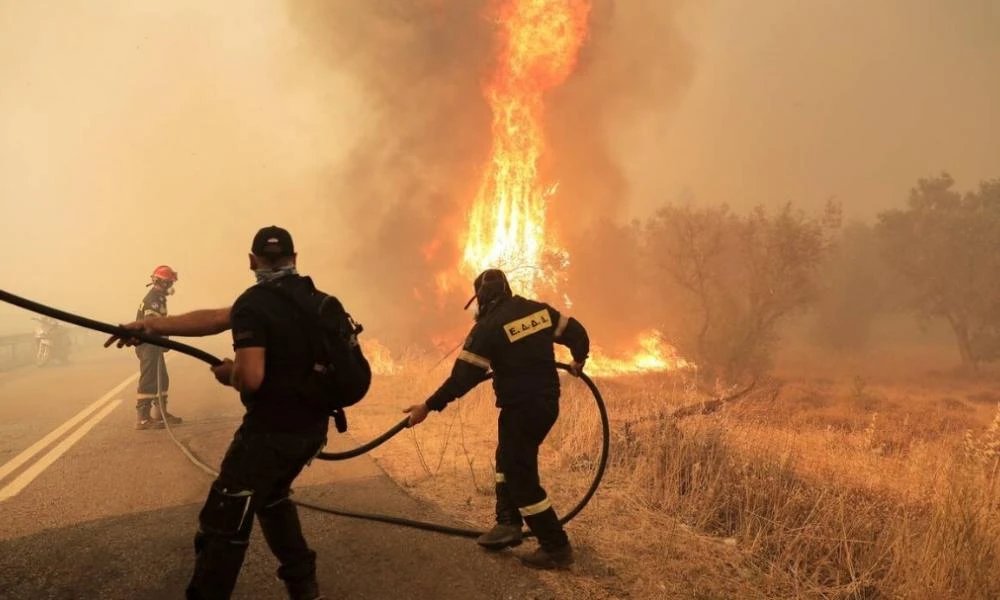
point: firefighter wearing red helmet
(153, 379)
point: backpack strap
(285, 293)
(311, 318)
(290, 297)
(356, 328)
(338, 414)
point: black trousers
(521, 430)
(255, 479)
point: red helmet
(165, 273)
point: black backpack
(341, 375)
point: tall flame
(538, 45)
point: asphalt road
(91, 508)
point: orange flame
(379, 358)
(654, 356)
(539, 42)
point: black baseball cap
(272, 242)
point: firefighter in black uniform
(282, 431)
(153, 378)
(513, 336)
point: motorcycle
(51, 341)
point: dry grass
(820, 488)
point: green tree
(947, 246)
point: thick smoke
(136, 134)
(416, 168)
(425, 133)
(636, 66)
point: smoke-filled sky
(800, 101)
(139, 133)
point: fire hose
(193, 352)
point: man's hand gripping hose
(193, 352)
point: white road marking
(22, 480)
(43, 443)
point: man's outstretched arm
(196, 323)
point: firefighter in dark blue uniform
(153, 378)
(513, 337)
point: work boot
(148, 424)
(507, 513)
(305, 589)
(555, 551)
(143, 420)
(500, 537)
(507, 532)
(171, 419)
(559, 558)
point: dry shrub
(814, 399)
(820, 538)
(951, 403)
(987, 397)
(866, 511)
